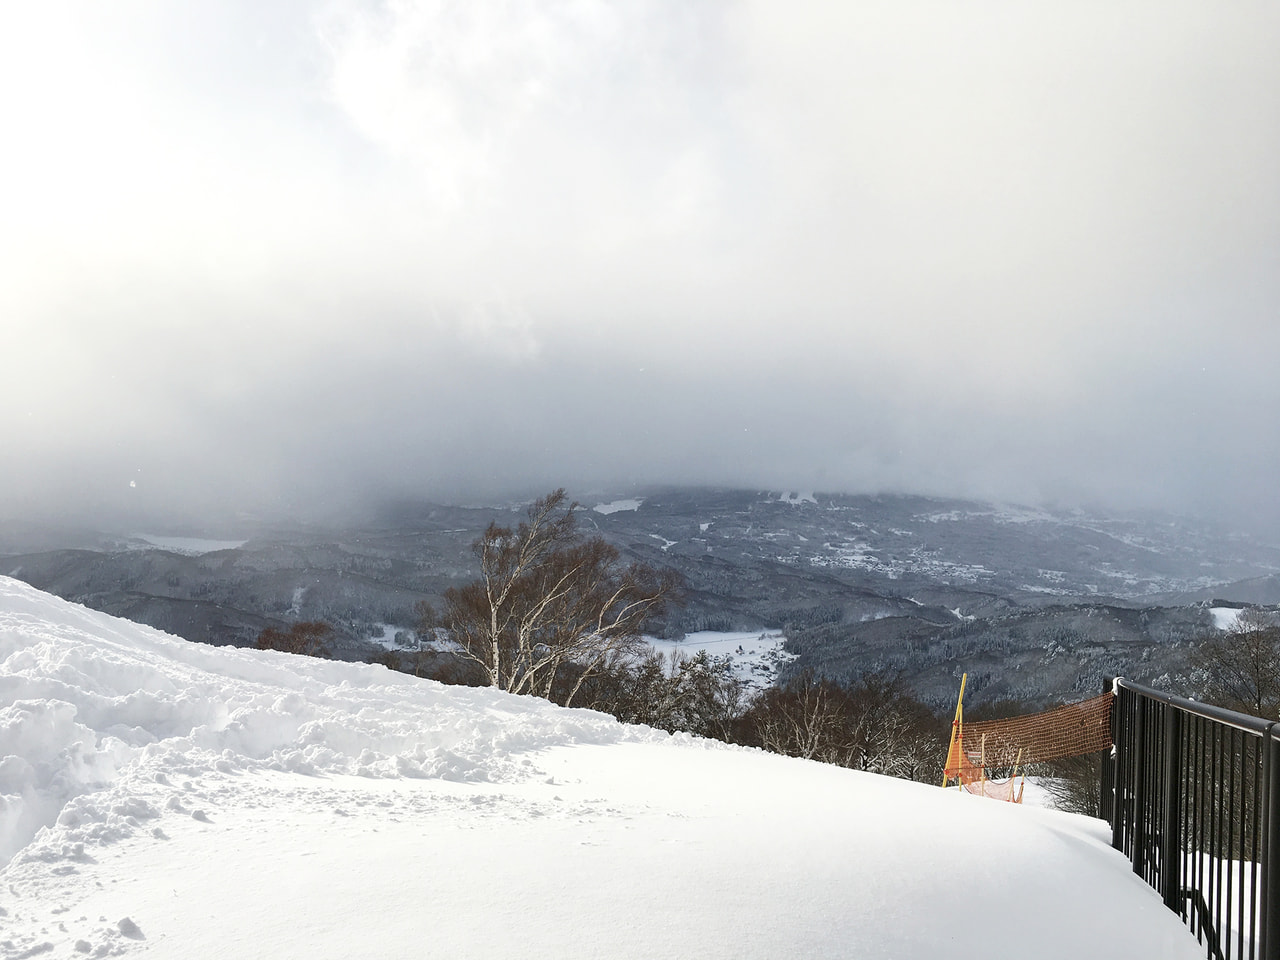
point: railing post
(1269, 932)
(1171, 812)
(1138, 827)
(1120, 773)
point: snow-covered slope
(176, 800)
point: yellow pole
(955, 726)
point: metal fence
(1193, 797)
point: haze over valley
(1037, 605)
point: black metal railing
(1192, 793)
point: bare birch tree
(550, 607)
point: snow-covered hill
(169, 799)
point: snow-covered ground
(1225, 618)
(615, 506)
(167, 799)
(757, 655)
(386, 636)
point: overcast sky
(280, 257)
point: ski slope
(165, 799)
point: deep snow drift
(164, 798)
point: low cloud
(290, 260)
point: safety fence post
(1170, 814)
(1119, 765)
(1269, 933)
(1138, 826)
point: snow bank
(91, 698)
(181, 800)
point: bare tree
(698, 694)
(308, 637)
(550, 608)
(807, 718)
(893, 732)
(874, 724)
(1241, 670)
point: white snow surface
(173, 800)
(616, 506)
(386, 637)
(757, 655)
(1225, 618)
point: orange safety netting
(968, 767)
(1067, 731)
(1010, 791)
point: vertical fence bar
(1159, 842)
(1120, 788)
(1138, 826)
(1215, 864)
(1197, 842)
(1229, 854)
(1187, 837)
(1271, 856)
(1257, 765)
(1263, 828)
(1171, 879)
(1237, 841)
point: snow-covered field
(614, 506)
(168, 799)
(386, 636)
(757, 655)
(1225, 619)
